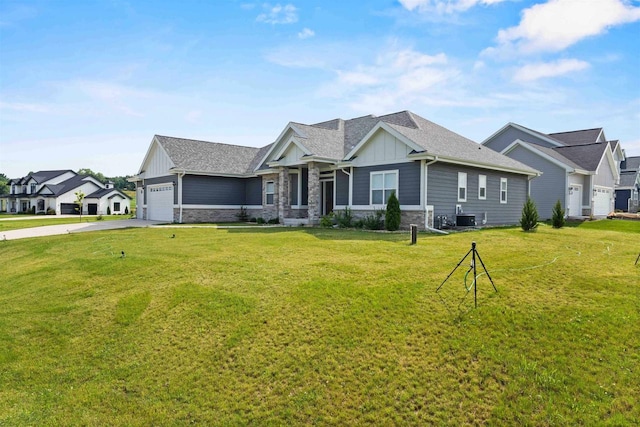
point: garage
(160, 202)
(602, 201)
(68, 209)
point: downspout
(180, 175)
(344, 171)
(426, 197)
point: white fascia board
(177, 171)
(612, 164)
(286, 146)
(319, 159)
(154, 141)
(278, 142)
(389, 129)
(529, 147)
(525, 130)
(488, 166)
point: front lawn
(12, 223)
(319, 326)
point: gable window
(382, 185)
(13, 189)
(482, 187)
(116, 206)
(33, 189)
(269, 191)
(503, 190)
(462, 186)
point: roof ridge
(208, 142)
(573, 131)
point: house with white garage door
(580, 168)
(311, 170)
(54, 191)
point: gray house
(628, 189)
(312, 170)
(579, 168)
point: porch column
(284, 204)
(313, 202)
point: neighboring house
(627, 191)
(56, 191)
(312, 170)
(579, 168)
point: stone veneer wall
(314, 193)
(407, 218)
(270, 211)
(216, 215)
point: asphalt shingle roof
(628, 178)
(577, 137)
(587, 156)
(212, 157)
(632, 163)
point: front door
(327, 197)
(575, 200)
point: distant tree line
(4, 184)
(119, 182)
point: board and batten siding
(442, 194)
(548, 188)
(157, 164)
(167, 179)
(511, 134)
(382, 148)
(215, 190)
(408, 185)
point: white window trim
(506, 190)
(396, 189)
(462, 175)
(481, 186)
(266, 193)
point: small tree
(78, 202)
(557, 217)
(529, 219)
(393, 215)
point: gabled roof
(578, 137)
(208, 157)
(629, 179)
(587, 156)
(105, 191)
(68, 185)
(631, 163)
(549, 153)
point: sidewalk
(52, 230)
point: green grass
(319, 326)
(16, 224)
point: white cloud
(558, 24)
(24, 107)
(540, 70)
(306, 33)
(444, 6)
(278, 14)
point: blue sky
(86, 84)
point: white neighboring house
(44, 191)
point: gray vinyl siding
(442, 193)
(342, 188)
(408, 185)
(586, 190)
(548, 188)
(162, 180)
(213, 190)
(293, 189)
(253, 191)
(604, 174)
(504, 139)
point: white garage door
(160, 202)
(602, 201)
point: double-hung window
(382, 185)
(503, 190)
(269, 191)
(482, 187)
(33, 189)
(462, 186)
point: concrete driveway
(51, 230)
